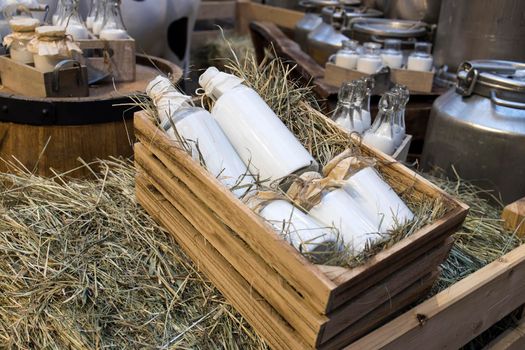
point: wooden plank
(369, 300)
(511, 339)
(237, 290)
(17, 77)
(514, 217)
(414, 80)
(248, 11)
(336, 76)
(305, 277)
(401, 152)
(119, 58)
(459, 313)
(216, 9)
(382, 314)
(266, 281)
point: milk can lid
(502, 81)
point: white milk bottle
(370, 62)
(338, 209)
(403, 96)
(348, 112)
(391, 55)
(260, 138)
(304, 232)
(347, 56)
(381, 134)
(201, 133)
(420, 59)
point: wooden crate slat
(306, 278)
(267, 281)
(461, 312)
(217, 9)
(248, 11)
(381, 315)
(511, 339)
(245, 300)
(368, 301)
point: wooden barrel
(51, 135)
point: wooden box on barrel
(27, 80)
(291, 302)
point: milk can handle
(505, 103)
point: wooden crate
(415, 81)
(291, 302)
(28, 81)
(114, 56)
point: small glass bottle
(370, 62)
(420, 59)
(23, 30)
(403, 95)
(96, 6)
(392, 55)
(72, 21)
(348, 113)
(368, 87)
(59, 13)
(347, 56)
(100, 16)
(113, 27)
(381, 134)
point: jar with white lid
(392, 55)
(50, 46)
(23, 30)
(421, 59)
(370, 62)
(347, 57)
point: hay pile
(82, 266)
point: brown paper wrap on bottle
(52, 41)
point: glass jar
(347, 56)
(420, 59)
(58, 16)
(392, 55)
(93, 10)
(113, 27)
(50, 46)
(348, 113)
(370, 62)
(23, 30)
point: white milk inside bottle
(260, 138)
(420, 59)
(347, 57)
(392, 55)
(370, 62)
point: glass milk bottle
(113, 27)
(392, 55)
(420, 59)
(96, 6)
(255, 131)
(381, 134)
(403, 96)
(347, 56)
(72, 21)
(201, 134)
(338, 209)
(23, 30)
(100, 16)
(367, 84)
(378, 199)
(303, 231)
(348, 113)
(370, 62)
(59, 14)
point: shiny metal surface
(378, 29)
(415, 10)
(481, 29)
(481, 134)
(305, 26)
(325, 39)
(361, 12)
